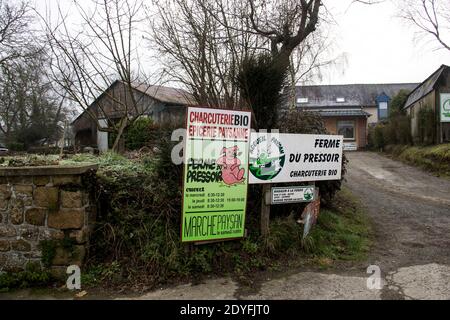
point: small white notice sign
(282, 195)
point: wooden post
(61, 151)
(265, 210)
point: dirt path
(410, 210)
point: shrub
(398, 102)
(16, 146)
(396, 129)
(32, 276)
(426, 126)
(139, 133)
(261, 82)
(378, 137)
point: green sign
(215, 174)
(445, 107)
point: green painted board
(215, 175)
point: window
(383, 107)
(302, 100)
(340, 99)
(346, 129)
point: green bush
(396, 129)
(32, 276)
(261, 82)
(426, 126)
(139, 133)
(398, 102)
(404, 130)
(378, 137)
(16, 146)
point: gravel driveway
(410, 210)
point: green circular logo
(446, 105)
(267, 158)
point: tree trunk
(123, 126)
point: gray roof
(167, 94)
(425, 87)
(172, 96)
(360, 95)
(344, 113)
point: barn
(165, 105)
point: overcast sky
(379, 46)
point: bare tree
(15, 36)
(88, 57)
(30, 112)
(203, 43)
(285, 23)
(431, 18)
(309, 59)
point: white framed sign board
(284, 195)
(286, 158)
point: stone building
(160, 103)
(349, 110)
(432, 94)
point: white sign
(445, 107)
(280, 158)
(284, 195)
(350, 146)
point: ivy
(48, 249)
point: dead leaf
(81, 294)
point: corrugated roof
(363, 95)
(344, 113)
(167, 94)
(425, 87)
(161, 93)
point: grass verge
(435, 159)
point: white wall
(102, 137)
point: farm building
(160, 103)
(433, 95)
(348, 110)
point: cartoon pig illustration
(230, 164)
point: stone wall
(45, 216)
